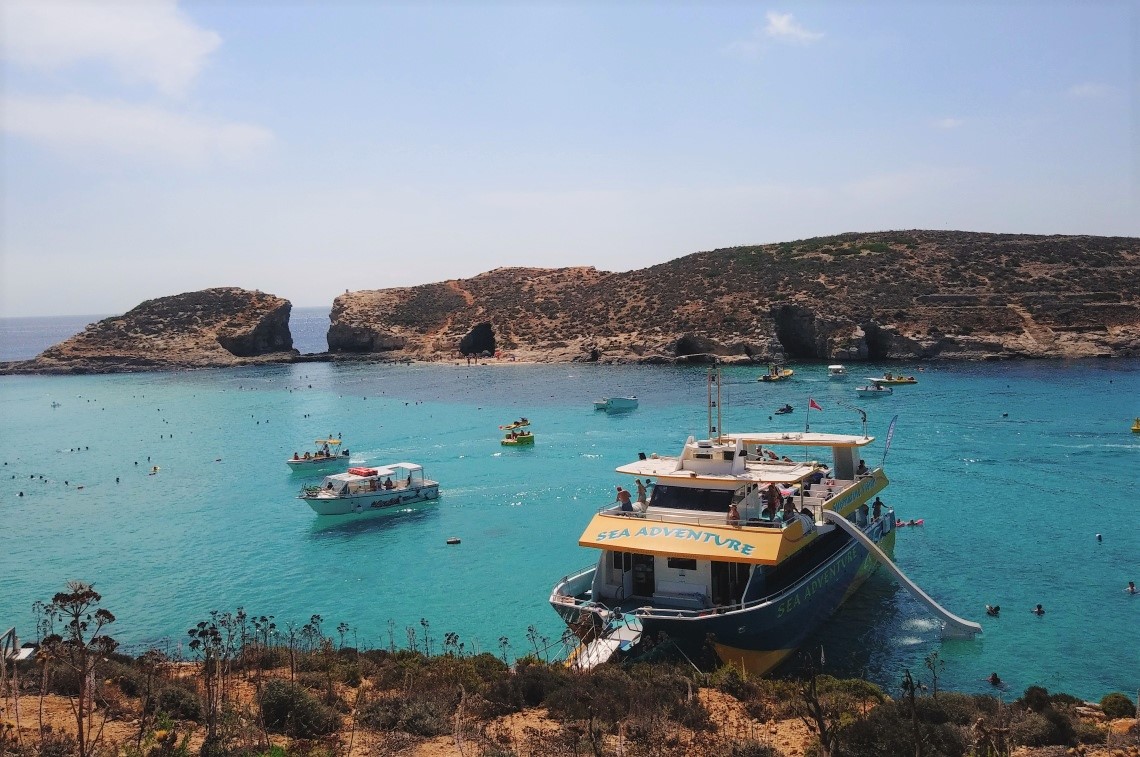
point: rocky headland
(214, 327)
(900, 295)
(860, 296)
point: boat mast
(714, 380)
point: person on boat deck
(772, 495)
(789, 509)
(878, 511)
(1038, 610)
(862, 471)
(408, 482)
(623, 498)
(816, 476)
(640, 491)
(388, 483)
(296, 456)
(863, 511)
(733, 518)
(787, 459)
(308, 456)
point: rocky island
(857, 296)
(214, 327)
(899, 295)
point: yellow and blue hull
(761, 636)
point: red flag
(813, 405)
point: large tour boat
(362, 490)
(740, 545)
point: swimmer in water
(1038, 610)
(993, 611)
(994, 679)
(1131, 588)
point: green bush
(417, 715)
(603, 693)
(1046, 728)
(754, 749)
(888, 731)
(947, 707)
(731, 681)
(1090, 733)
(1117, 705)
(289, 709)
(178, 703)
(1035, 698)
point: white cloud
(1091, 90)
(947, 123)
(780, 27)
(783, 26)
(146, 131)
(143, 40)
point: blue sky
(151, 148)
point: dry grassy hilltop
(873, 296)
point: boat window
(682, 563)
(687, 498)
(621, 560)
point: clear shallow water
(1011, 504)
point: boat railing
(718, 519)
(670, 612)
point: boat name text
(864, 489)
(687, 534)
(815, 584)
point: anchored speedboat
(517, 434)
(327, 455)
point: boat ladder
(617, 631)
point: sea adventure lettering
(863, 489)
(686, 534)
(816, 583)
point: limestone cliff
(214, 327)
(872, 296)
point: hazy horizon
(155, 147)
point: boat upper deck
(755, 470)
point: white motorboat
(836, 372)
(874, 390)
(399, 486)
(328, 455)
(616, 404)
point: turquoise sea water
(1012, 504)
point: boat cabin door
(643, 582)
(729, 580)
